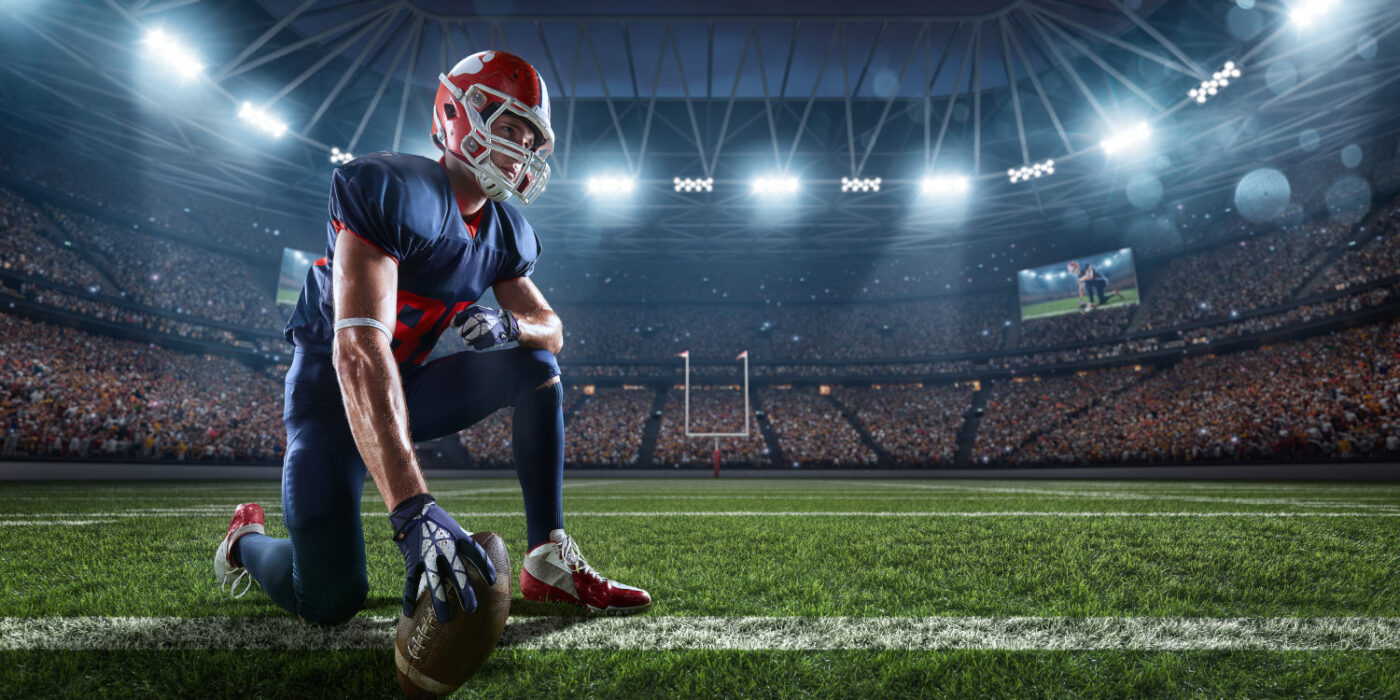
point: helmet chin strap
(491, 189)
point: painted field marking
(1153, 496)
(726, 633)
(32, 523)
(37, 517)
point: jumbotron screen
(295, 263)
(1081, 285)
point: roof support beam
(607, 96)
(894, 92)
(374, 101)
(1044, 99)
(416, 49)
(807, 111)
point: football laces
(573, 558)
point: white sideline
(724, 633)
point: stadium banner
(295, 263)
(1082, 285)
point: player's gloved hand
(484, 328)
(433, 543)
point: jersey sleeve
(369, 199)
(524, 249)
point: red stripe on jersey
(320, 262)
(341, 228)
(474, 223)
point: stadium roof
(652, 91)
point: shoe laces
(233, 578)
(568, 551)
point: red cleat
(247, 517)
(555, 571)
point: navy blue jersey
(404, 206)
(1088, 273)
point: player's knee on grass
(331, 582)
(335, 603)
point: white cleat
(555, 571)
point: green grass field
(763, 588)
(1070, 305)
(288, 296)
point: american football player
(1094, 282)
(412, 244)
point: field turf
(1070, 305)
(763, 588)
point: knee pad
(534, 367)
(334, 604)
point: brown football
(435, 658)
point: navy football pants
(1096, 290)
(319, 574)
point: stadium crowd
(1376, 256)
(606, 430)
(164, 274)
(79, 396)
(179, 210)
(713, 409)
(1075, 327)
(915, 425)
(69, 394)
(27, 251)
(487, 443)
(1238, 277)
(1335, 396)
(811, 431)
(1021, 408)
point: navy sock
(537, 438)
(269, 560)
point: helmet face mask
(464, 116)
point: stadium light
(860, 184)
(698, 184)
(1126, 139)
(617, 185)
(944, 185)
(1218, 81)
(776, 184)
(173, 54)
(1033, 171)
(261, 120)
(340, 157)
(1306, 11)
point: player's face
(515, 130)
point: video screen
(1082, 285)
(295, 263)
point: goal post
(743, 356)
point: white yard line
(1153, 496)
(740, 633)
(32, 523)
(37, 518)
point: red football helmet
(477, 91)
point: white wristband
(370, 322)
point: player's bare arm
(366, 281)
(539, 325)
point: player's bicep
(519, 296)
(366, 281)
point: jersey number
(419, 322)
